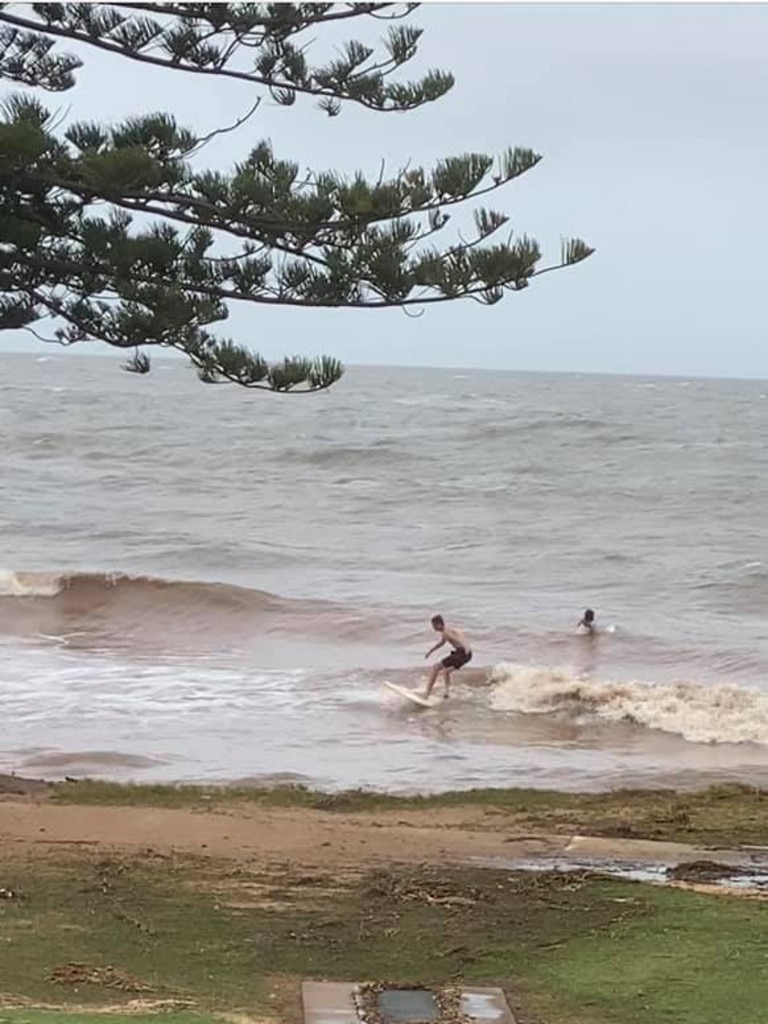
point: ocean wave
(166, 612)
(379, 453)
(557, 421)
(698, 713)
(740, 587)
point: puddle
(743, 877)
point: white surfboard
(410, 695)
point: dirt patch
(139, 1007)
(299, 836)
(14, 785)
(722, 891)
(279, 891)
(433, 891)
(704, 871)
(106, 977)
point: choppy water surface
(203, 583)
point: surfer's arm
(434, 648)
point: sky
(651, 120)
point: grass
(224, 938)
(93, 791)
(719, 815)
(33, 1016)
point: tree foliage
(115, 234)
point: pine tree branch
(206, 361)
(221, 218)
(58, 267)
(320, 241)
(334, 91)
(354, 10)
(204, 140)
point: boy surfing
(460, 655)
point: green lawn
(572, 949)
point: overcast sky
(652, 122)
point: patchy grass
(34, 1016)
(224, 938)
(721, 815)
(93, 791)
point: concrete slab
(486, 1005)
(408, 1005)
(650, 850)
(329, 1002)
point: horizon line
(106, 351)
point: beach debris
(706, 871)
(434, 891)
(73, 973)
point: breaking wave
(698, 713)
(163, 612)
(86, 585)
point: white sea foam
(698, 713)
(30, 584)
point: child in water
(588, 622)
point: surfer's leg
(459, 661)
(434, 672)
(447, 682)
(447, 665)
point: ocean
(202, 583)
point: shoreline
(626, 834)
(719, 815)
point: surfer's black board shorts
(457, 658)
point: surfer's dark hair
(437, 621)
(589, 615)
